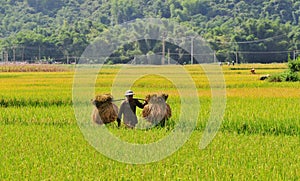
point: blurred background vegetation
(249, 31)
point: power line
(247, 42)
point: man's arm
(139, 104)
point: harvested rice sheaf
(102, 99)
(105, 111)
(157, 109)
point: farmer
(128, 110)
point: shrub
(110, 62)
(276, 78)
(292, 75)
(285, 76)
(294, 65)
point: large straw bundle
(157, 110)
(105, 111)
(168, 108)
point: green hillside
(59, 30)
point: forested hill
(250, 30)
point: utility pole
(215, 56)
(5, 55)
(14, 54)
(192, 50)
(236, 58)
(168, 56)
(23, 56)
(163, 51)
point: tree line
(60, 30)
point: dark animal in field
(264, 77)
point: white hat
(129, 93)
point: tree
(69, 25)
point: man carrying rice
(128, 110)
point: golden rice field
(257, 140)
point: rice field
(257, 140)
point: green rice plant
(273, 116)
(49, 89)
(55, 153)
(32, 115)
(258, 138)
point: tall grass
(253, 106)
(40, 152)
(258, 139)
(37, 115)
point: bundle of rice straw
(168, 108)
(105, 111)
(157, 110)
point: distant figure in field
(105, 111)
(252, 71)
(128, 110)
